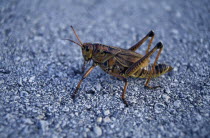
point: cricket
(122, 63)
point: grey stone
(107, 120)
(159, 107)
(177, 103)
(106, 112)
(97, 131)
(99, 119)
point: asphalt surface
(39, 71)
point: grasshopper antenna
(76, 35)
(73, 42)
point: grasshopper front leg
(83, 77)
(153, 69)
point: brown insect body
(115, 61)
(123, 63)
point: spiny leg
(141, 63)
(137, 45)
(153, 69)
(83, 77)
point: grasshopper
(122, 63)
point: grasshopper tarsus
(73, 96)
(125, 102)
(123, 63)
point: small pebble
(174, 31)
(167, 90)
(65, 109)
(166, 97)
(23, 94)
(1, 81)
(97, 131)
(107, 112)
(198, 117)
(136, 88)
(177, 103)
(88, 106)
(99, 119)
(107, 120)
(20, 82)
(44, 125)
(175, 69)
(178, 14)
(24, 79)
(98, 87)
(28, 121)
(31, 79)
(159, 107)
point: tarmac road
(39, 70)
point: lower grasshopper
(122, 63)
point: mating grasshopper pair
(122, 63)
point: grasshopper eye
(86, 48)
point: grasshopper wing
(127, 57)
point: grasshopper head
(87, 48)
(87, 51)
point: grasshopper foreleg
(83, 77)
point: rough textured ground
(39, 71)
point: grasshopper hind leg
(150, 35)
(160, 45)
(138, 65)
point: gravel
(39, 70)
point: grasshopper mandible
(122, 63)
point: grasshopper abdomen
(147, 71)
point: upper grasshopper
(123, 63)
